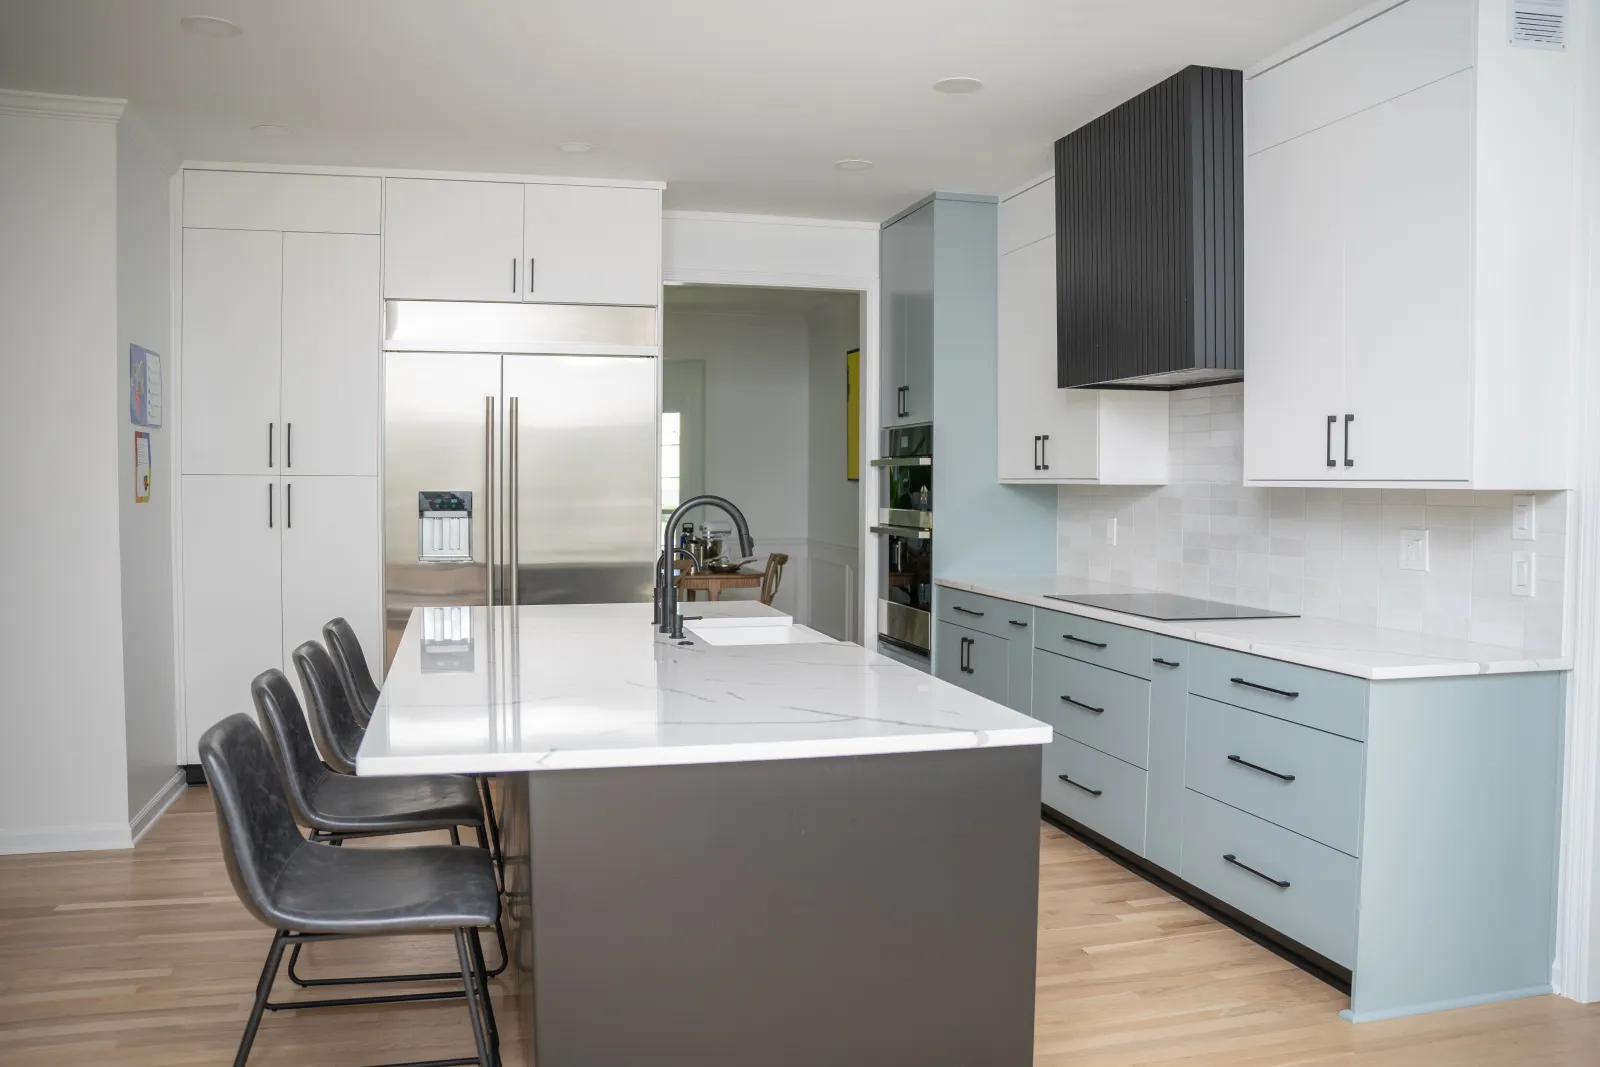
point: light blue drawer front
(1316, 902)
(1169, 701)
(1119, 647)
(985, 614)
(977, 662)
(1099, 791)
(1333, 702)
(1102, 708)
(1302, 779)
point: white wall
(144, 317)
(833, 501)
(63, 770)
(757, 410)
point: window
(671, 462)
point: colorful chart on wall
(144, 387)
(852, 414)
(141, 467)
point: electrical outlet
(1522, 573)
(1522, 518)
(1413, 550)
(1111, 530)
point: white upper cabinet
(504, 241)
(1048, 434)
(1408, 256)
(592, 245)
(264, 200)
(331, 339)
(232, 332)
(452, 240)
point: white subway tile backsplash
(1327, 552)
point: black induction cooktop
(1168, 607)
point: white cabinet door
(917, 366)
(330, 561)
(1294, 309)
(232, 628)
(232, 303)
(452, 240)
(331, 340)
(1029, 402)
(592, 245)
(1408, 286)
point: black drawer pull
(1264, 688)
(1257, 767)
(1231, 858)
(1081, 704)
(1014, 622)
(1086, 789)
(966, 611)
(1081, 641)
(1165, 662)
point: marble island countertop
(593, 685)
(1369, 652)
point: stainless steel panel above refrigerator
(550, 461)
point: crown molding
(53, 106)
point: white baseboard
(157, 806)
(90, 838)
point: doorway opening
(758, 405)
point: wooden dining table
(713, 584)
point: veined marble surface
(1342, 647)
(593, 685)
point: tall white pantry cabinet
(278, 382)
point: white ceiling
(740, 105)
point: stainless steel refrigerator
(512, 477)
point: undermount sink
(767, 632)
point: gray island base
(875, 909)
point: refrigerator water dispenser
(444, 527)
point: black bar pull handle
(1044, 452)
(1036, 440)
(288, 505)
(1164, 662)
(1288, 694)
(1014, 622)
(1241, 761)
(967, 611)
(1328, 440)
(269, 505)
(1081, 704)
(530, 274)
(288, 444)
(1080, 785)
(1082, 641)
(1348, 462)
(1231, 858)
(269, 446)
(513, 274)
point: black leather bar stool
(333, 717)
(335, 807)
(344, 723)
(310, 891)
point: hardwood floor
(146, 958)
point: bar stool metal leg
(469, 984)
(263, 989)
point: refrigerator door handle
(511, 466)
(488, 500)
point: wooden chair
(772, 576)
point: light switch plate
(1523, 512)
(1522, 576)
(1413, 550)
(1111, 530)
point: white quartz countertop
(593, 685)
(1346, 648)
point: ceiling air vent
(1539, 23)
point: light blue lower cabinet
(978, 662)
(1101, 708)
(1169, 699)
(1100, 791)
(1304, 890)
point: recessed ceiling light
(577, 148)
(854, 164)
(957, 85)
(210, 26)
(267, 129)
